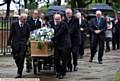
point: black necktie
(21, 25)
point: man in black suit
(19, 36)
(116, 33)
(34, 21)
(73, 26)
(61, 41)
(34, 24)
(83, 27)
(97, 28)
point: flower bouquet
(40, 39)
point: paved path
(87, 71)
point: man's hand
(97, 31)
(82, 29)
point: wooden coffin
(40, 52)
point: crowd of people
(69, 38)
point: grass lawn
(117, 77)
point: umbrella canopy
(101, 6)
(49, 13)
(56, 8)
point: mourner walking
(19, 36)
(34, 24)
(108, 33)
(61, 41)
(97, 28)
(116, 33)
(73, 26)
(82, 27)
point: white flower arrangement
(42, 35)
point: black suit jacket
(83, 25)
(32, 24)
(94, 26)
(18, 35)
(116, 27)
(73, 26)
(61, 37)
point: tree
(8, 2)
(4, 2)
(32, 4)
(100, 1)
(25, 3)
(80, 3)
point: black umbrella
(57, 8)
(101, 6)
(49, 13)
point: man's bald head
(69, 12)
(98, 13)
(57, 18)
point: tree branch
(86, 4)
(15, 2)
(3, 4)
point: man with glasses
(34, 24)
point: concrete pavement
(86, 71)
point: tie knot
(21, 25)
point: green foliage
(117, 77)
(43, 9)
(116, 6)
(32, 4)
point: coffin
(41, 52)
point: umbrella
(49, 13)
(57, 8)
(101, 6)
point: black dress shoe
(69, 68)
(81, 56)
(28, 70)
(75, 68)
(57, 75)
(18, 76)
(107, 50)
(100, 62)
(60, 77)
(90, 60)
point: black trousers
(97, 40)
(19, 56)
(73, 54)
(81, 47)
(60, 60)
(108, 43)
(116, 41)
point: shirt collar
(20, 22)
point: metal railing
(5, 23)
